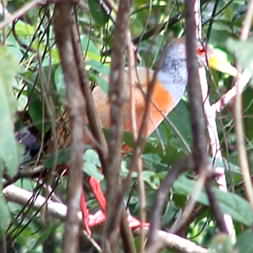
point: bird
(170, 82)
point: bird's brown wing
(160, 105)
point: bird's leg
(88, 219)
(100, 216)
(85, 212)
(98, 193)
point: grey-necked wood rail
(169, 87)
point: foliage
(32, 82)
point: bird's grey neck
(173, 74)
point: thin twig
(243, 159)
(212, 133)
(95, 135)
(117, 100)
(172, 241)
(39, 170)
(215, 149)
(58, 210)
(64, 40)
(214, 206)
(127, 235)
(157, 29)
(200, 155)
(173, 174)
(196, 191)
(141, 186)
(20, 12)
(230, 95)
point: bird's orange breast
(160, 105)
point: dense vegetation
(32, 104)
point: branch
(20, 12)
(160, 200)
(212, 133)
(172, 241)
(95, 135)
(243, 159)
(117, 100)
(229, 96)
(58, 210)
(64, 39)
(157, 29)
(200, 155)
(134, 130)
(214, 206)
(200, 143)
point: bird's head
(207, 56)
(173, 70)
(215, 59)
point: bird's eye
(201, 51)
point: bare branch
(214, 206)
(141, 185)
(230, 95)
(198, 94)
(173, 174)
(64, 39)
(243, 159)
(117, 100)
(58, 210)
(200, 154)
(172, 241)
(20, 12)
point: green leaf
(35, 109)
(102, 83)
(90, 49)
(5, 217)
(10, 150)
(181, 118)
(221, 243)
(226, 165)
(98, 13)
(26, 184)
(24, 29)
(151, 178)
(60, 157)
(13, 47)
(59, 82)
(99, 67)
(44, 235)
(101, 75)
(244, 242)
(230, 203)
(153, 160)
(243, 52)
(91, 164)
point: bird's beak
(218, 61)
